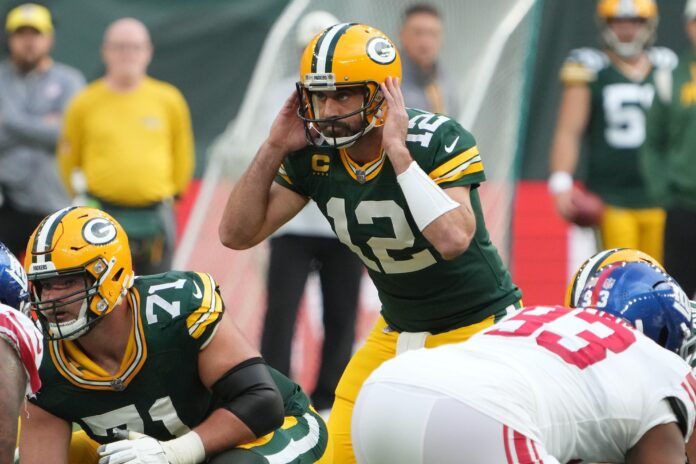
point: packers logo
(99, 231)
(380, 50)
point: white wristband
(425, 199)
(559, 182)
(186, 449)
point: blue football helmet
(649, 299)
(14, 287)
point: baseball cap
(29, 15)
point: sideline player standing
(399, 187)
(606, 96)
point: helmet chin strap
(71, 330)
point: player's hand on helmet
(137, 449)
(287, 131)
(395, 125)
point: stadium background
(209, 49)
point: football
(589, 208)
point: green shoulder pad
(190, 302)
(294, 171)
(444, 149)
(582, 65)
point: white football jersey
(27, 340)
(581, 382)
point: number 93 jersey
(419, 290)
(581, 382)
(616, 127)
(157, 390)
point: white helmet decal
(380, 50)
(99, 231)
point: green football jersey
(419, 290)
(158, 389)
(616, 127)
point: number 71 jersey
(157, 390)
(419, 290)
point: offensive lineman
(548, 385)
(399, 187)
(154, 359)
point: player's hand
(287, 132)
(396, 125)
(564, 205)
(137, 449)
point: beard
(29, 60)
(336, 129)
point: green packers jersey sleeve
(290, 174)
(190, 302)
(582, 66)
(206, 309)
(444, 150)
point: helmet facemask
(48, 310)
(370, 111)
(644, 37)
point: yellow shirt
(135, 148)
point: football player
(546, 385)
(399, 188)
(150, 367)
(605, 98)
(21, 350)
(596, 262)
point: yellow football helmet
(596, 262)
(645, 10)
(344, 55)
(84, 242)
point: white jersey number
(624, 110)
(427, 122)
(128, 418)
(403, 237)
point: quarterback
(151, 368)
(606, 96)
(399, 188)
(21, 349)
(546, 385)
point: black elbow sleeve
(249, 392)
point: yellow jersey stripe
(284, 174)
(209, 311)
(370, 169)
(460, 168)
(474, 167)
(454, 162)
(206, 302)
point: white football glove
(142, 449)
(138, 449)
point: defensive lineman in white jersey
(546, 385)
